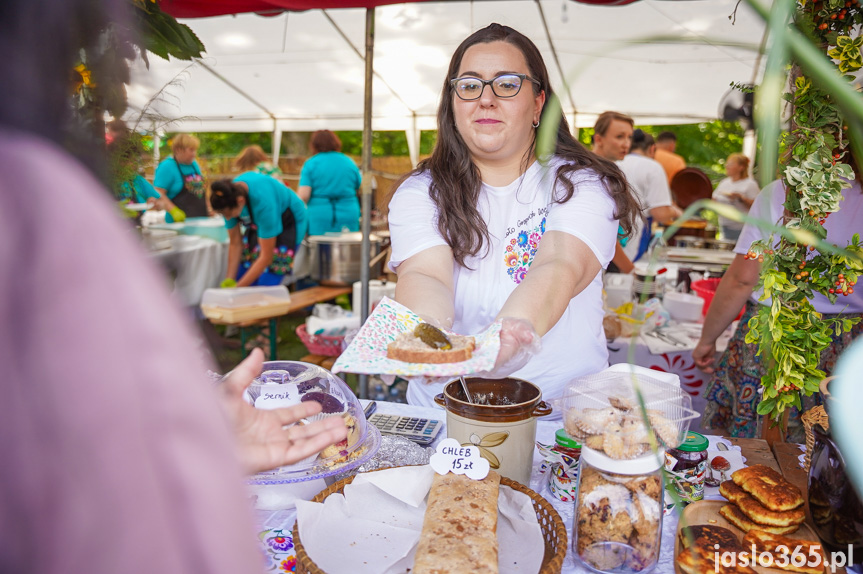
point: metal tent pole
(366, 195)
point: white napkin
(371, 529)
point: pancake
(733, 515)
(767, 542)
(768, 487)
(701, 543)
(708, 535)
(757, 512)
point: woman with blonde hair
(738, 190)
(253, 158)
(179, 181)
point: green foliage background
(384, 144)
(706, 145)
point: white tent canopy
(302, 71)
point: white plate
(136, 206)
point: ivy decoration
(790, 333)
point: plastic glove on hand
(178, 214)
(228, 283)
(519, 342)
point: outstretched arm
(731, 294)
(425, 285)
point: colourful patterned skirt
(732, 395)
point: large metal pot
(336, 257)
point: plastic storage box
(245, 303)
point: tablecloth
(275, 526)
(195, 264)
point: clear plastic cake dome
(286, 383)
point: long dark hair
(224, 194)
(456, 179)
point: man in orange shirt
(671, 162)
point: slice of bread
(409, 348)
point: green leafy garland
(790, 333)
(100, 75)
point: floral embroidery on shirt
(520, 251)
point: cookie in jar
(618, 514)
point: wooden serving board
(707, 512)
(269, 307)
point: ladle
(464, 388)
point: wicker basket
(814, 416)
(325, 345)
(553, 530)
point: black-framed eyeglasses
(504, 86)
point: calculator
(420, 431)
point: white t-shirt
(517, 216)
(840, 226)
(747, 187)
(650, 184)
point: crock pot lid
(352, 237)
(644, 464)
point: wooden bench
(299, 300)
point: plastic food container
(603, 413)
(686, 467)
(618, 513)
(245, 303)
(285, 383)
(683, 307)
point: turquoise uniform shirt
(269, 199)
(334, 179)
(139, 191)
(167, 175)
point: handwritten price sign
(458, 459)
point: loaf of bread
(411, 349)
(459, 532)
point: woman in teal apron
(329, 182)
(274, 222)
(178, 179)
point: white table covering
(197, 264)
(284, 519)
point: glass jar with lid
(618, 512)
(686, 467)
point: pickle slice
(432, 336)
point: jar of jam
(565, 444)
(686, 467)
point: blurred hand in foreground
(264, 441)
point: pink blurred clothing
(115, 455)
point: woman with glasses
(482, 230)
(329, 182)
